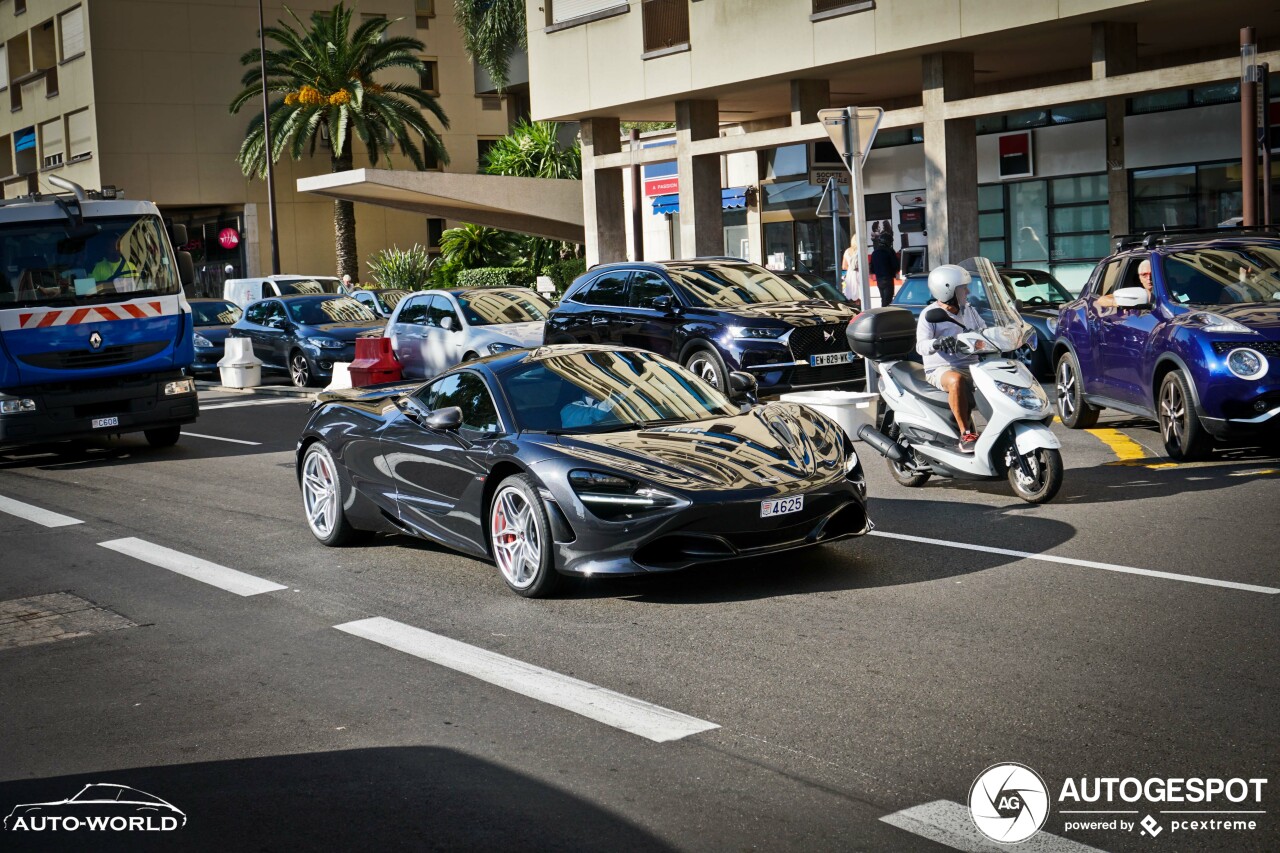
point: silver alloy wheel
(320, 493)
(299, 370)
(702, 366)
(1066, 389)
(1173, 412)
(517, 548)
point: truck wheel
(1185, 439)
(163, 436)
(1074, 412)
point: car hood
(811, 312)
(525, 334)
(1255, 315)
(342, 331)
(775, 446)
(214, 334)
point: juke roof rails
(1157, 237)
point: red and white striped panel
(37, 318)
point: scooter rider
(945, 366)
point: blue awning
(730, 198)
(24, 139)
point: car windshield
(602, 391)
(1033, 288)
(1224, 276)
(494, 307)
(309, 286)
(215, 313)
(816, 287)
(127, 257)
(733, 285)
(98, 792)
(914, 291)
(319, 312)
(389, 299)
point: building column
(1115, 52)
(603, 207)
(950, 160)
(807, 97)
(701, 224)
(755, 213)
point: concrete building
(135, 94)
(1025, 131)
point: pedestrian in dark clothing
(884, 266)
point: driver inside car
(945, 366)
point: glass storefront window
(778, 253)
(1157, 102)
(1028, 118)
(789, 160)
(1083, 188)
(990, 225)
(1081, 246)
(1221, 194)
(991, 197)
(1153, 183)
(1028, 220)
(1085, 217)
(1165, 212)
(1079, 112)
(736, 236)
(1198, 196)
(993, 250)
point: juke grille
(1268, 348)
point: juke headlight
(1247, 363)
(1032, 398)
(616, 498)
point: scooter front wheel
(1036, 476)
(903, 475)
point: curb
(268, 390)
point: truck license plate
(99, 423)
(830, 358)
(782, 506)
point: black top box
(883, 333)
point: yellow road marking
(1126, 449)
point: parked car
(433, 330)
(244, 291)
(713, 316)
(578, 460)
(1199, 351)
(305, 335)
(1038, 297)
(213, 319)
(382, 302)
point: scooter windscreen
(1006, 330)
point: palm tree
(323, 80)
(469, 246)
(492, 30)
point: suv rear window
(1224, 276)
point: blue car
(213, 319)
(713, 316)
(1197, 349)
(305, 335)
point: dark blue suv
(1195, 344)
(713, 316)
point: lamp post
(1248, 126)
(266, 138)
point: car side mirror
(446, 323)
(450, 417)
(662, 303)
(1132, 297)
(742, 387)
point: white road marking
(35, 513)
(951, 824)
(193, 567)
(614, 709)
(1072, 561)
(272, 401)
(220, 438)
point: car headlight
(16, 405)
(326, 343)
(757, 333)
(1247, 363)
(497, 347)
(853, 468)
(615, 498)
(1032, 398)
(180, 386)
(202, 342)
(1212, 322)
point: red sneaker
(967, 442)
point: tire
(706, 364)
(1185, 438)
(324, 493)
(902, 476)
(1045, 478)
(470, 357)
(1073, 411)
(163, 436)
(516, 518)
(300, 372)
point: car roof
(686, 263)
(1186, 238)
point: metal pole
(858, 221)
(1248, 126)
(637, 199)
(1264, 134)
(266, 138)
(832, 188)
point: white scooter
(920, 437)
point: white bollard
(239, 367)
(850, 409)
(341, 376)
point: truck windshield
(128, 257)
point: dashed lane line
(220, 438)
(605, 706)
(951, 824)
(1072, 561)
(232, 580)
(36, 514)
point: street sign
(825, 203)
(866, 123)
(818, 177)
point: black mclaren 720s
(578, 460)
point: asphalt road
(846, 685)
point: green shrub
(402, 269)
(495, 277)
(563, 273)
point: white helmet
(945, 280)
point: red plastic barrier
(374, 363)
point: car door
(606, 307)
(1122, 341)
(643, 325)
(406, 336)
(1089, 347)
(439, 474)
(441, 336)
(277, 334)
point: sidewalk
(267, 390)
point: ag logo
(1009, 802)
(95, 340)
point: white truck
(244, 291)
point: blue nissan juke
(1195, 344)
